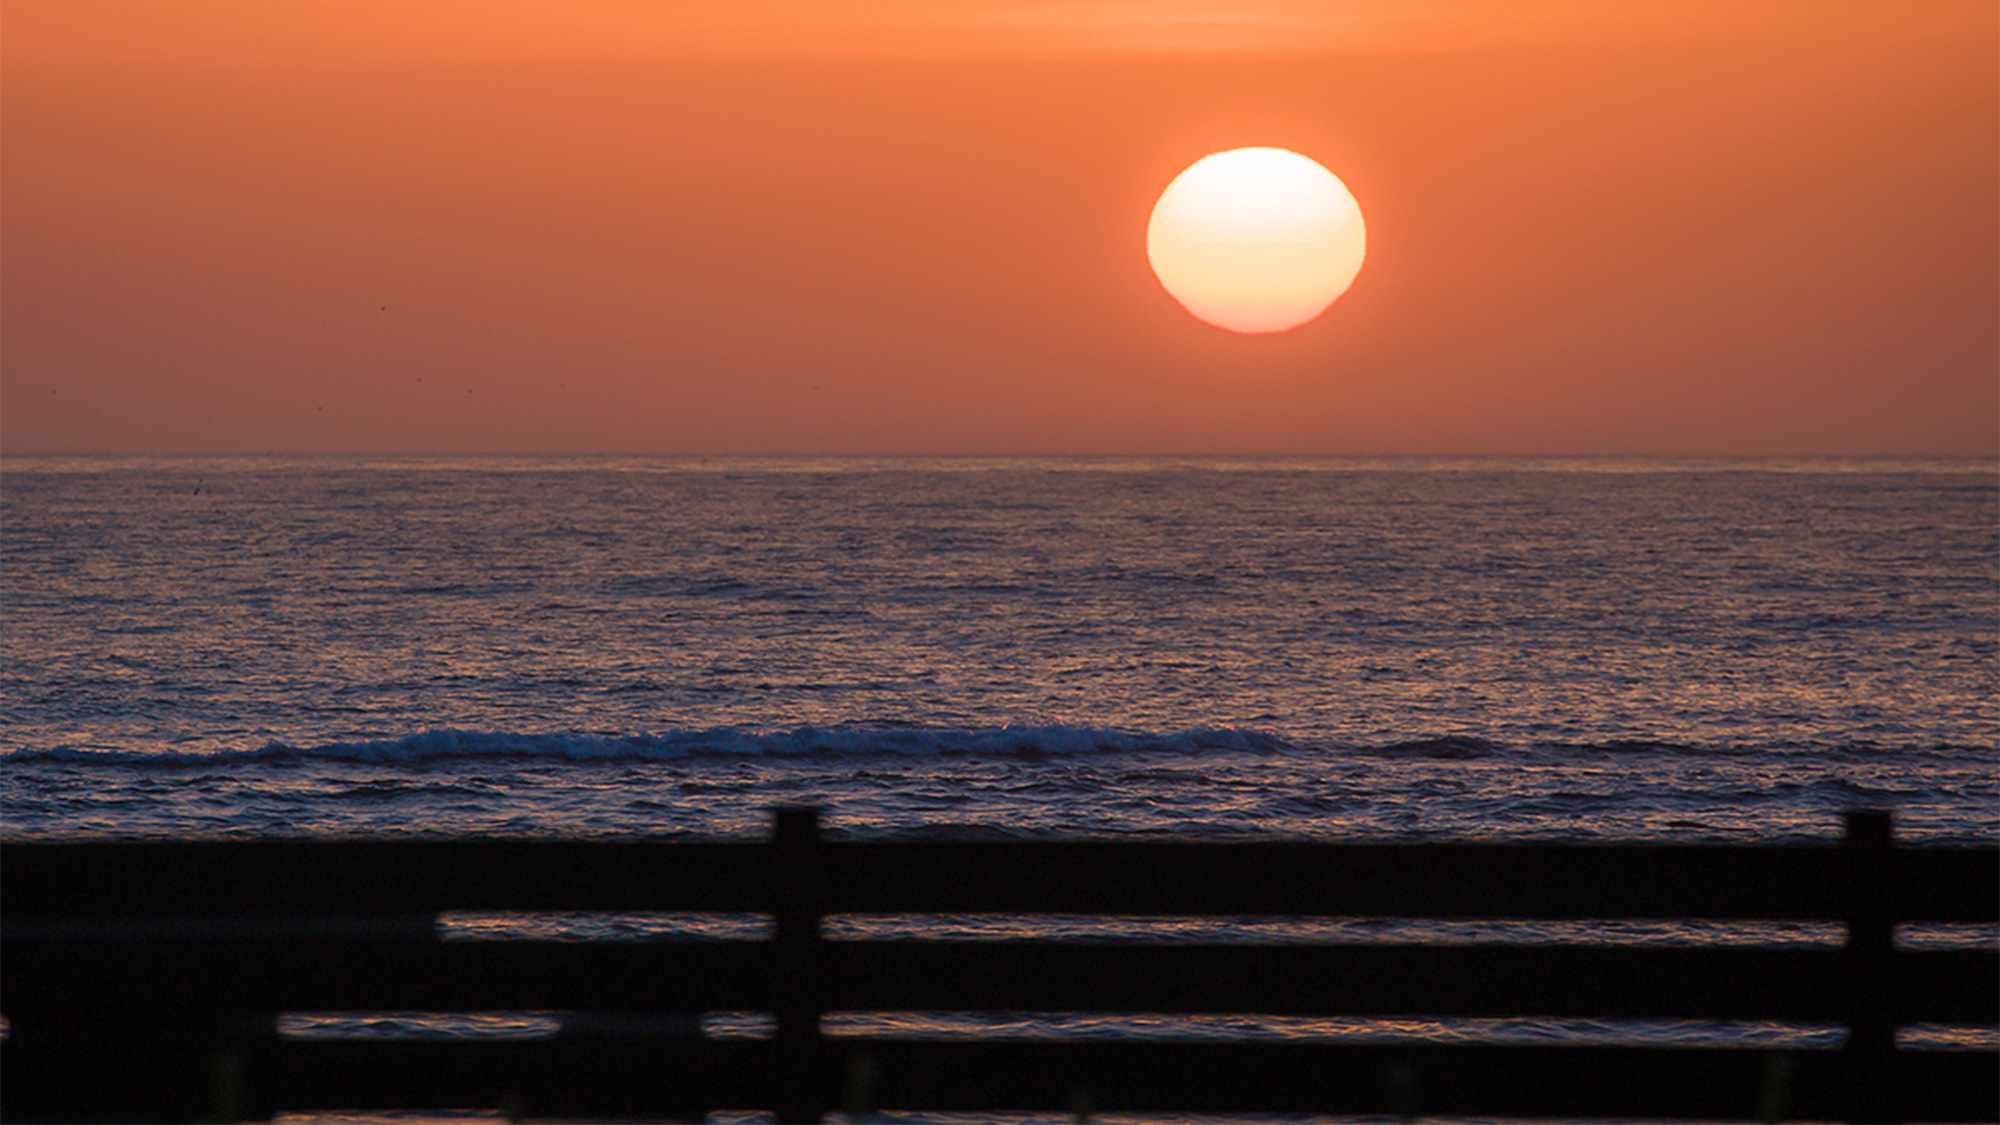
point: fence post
(797, 1053)
(1871, 934)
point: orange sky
(1681, 228)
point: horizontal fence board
(307, 975)
(1425, 880)
(381, 877)
(1800, 984)
(619, 1077)
(575, 1078)
(1485, 1081)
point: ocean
(1195, 648)
(1582, 650)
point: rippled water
(1395, 648)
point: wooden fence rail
(143, 980)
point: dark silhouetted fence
(143, 980)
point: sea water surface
(1024, 648)
(1198, 648)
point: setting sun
(1256, 240)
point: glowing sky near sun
(613, 225)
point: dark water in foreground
(1410, 650)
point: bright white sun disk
(1256, 240)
